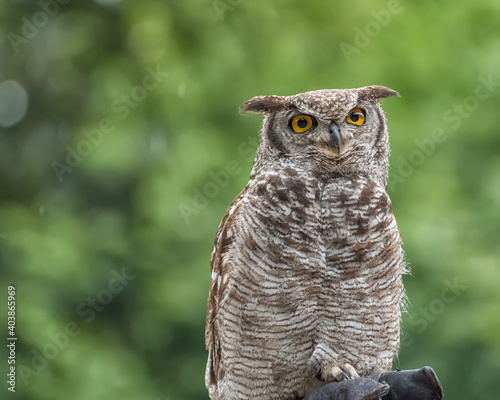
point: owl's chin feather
(331, 151)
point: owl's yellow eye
(356, 117)
(301, 123)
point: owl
(307, 263)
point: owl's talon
(342, 376)
(350, 371)
(335, 373)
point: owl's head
(330, 130)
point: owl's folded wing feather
(217, 287)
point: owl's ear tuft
(263, 104)
(377, 92)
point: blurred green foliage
(79, 206)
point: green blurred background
(121, 147)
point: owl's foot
(338, 373)
(352, 389)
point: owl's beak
(335, 138)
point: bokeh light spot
(13, 103)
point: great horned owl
(307, 264)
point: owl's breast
(357, 226)
(334, 250)
(362, 287)
(343, 226)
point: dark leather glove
(413, 384)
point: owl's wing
(217, 288)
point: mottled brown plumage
(307, 264)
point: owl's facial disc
(339, 135)
(322, 134)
